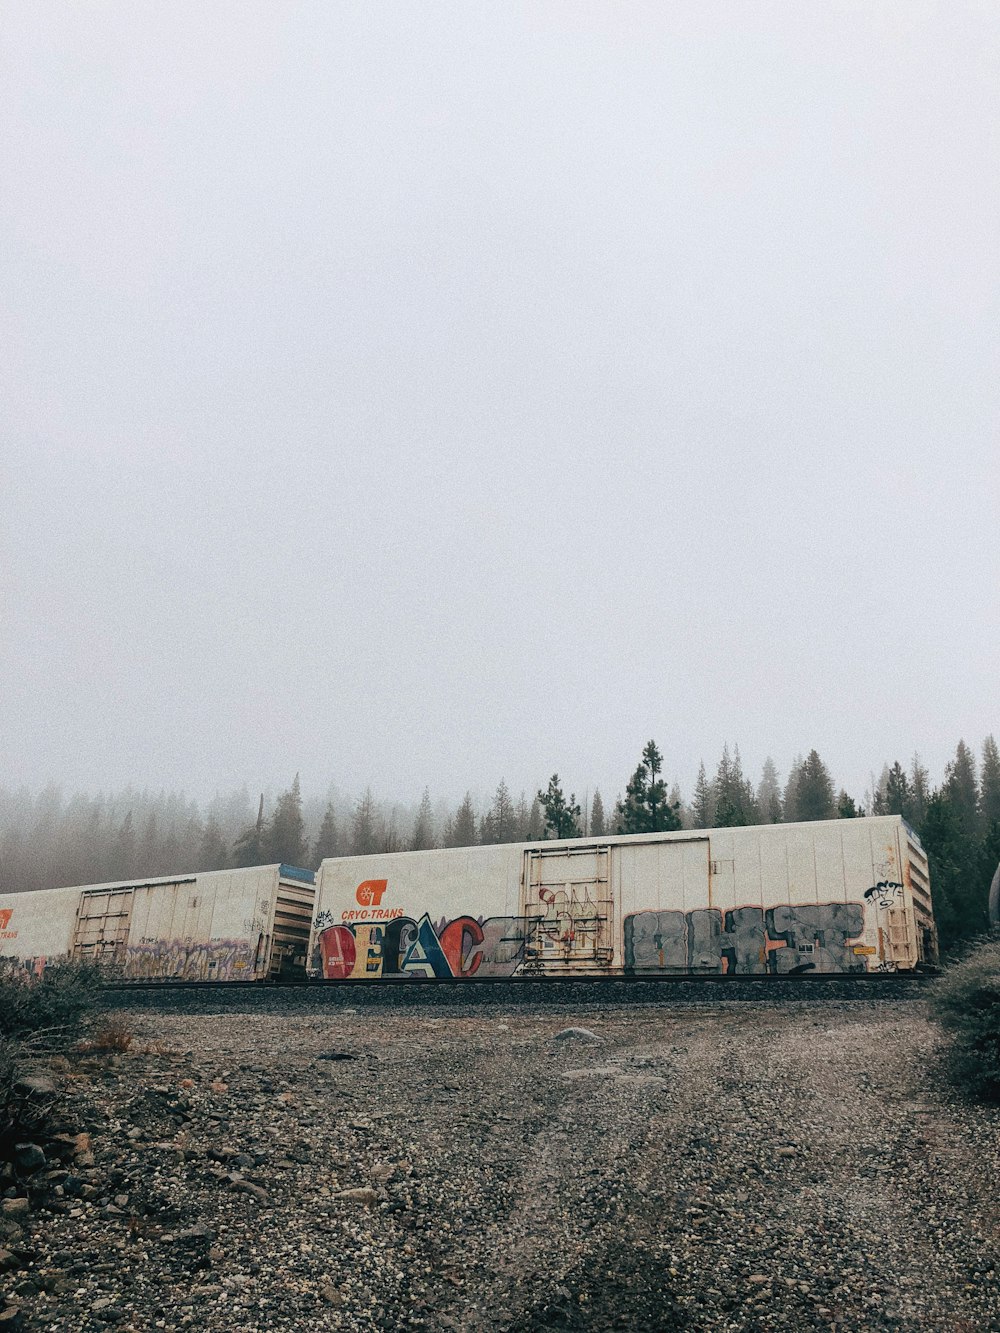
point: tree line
(47, 840)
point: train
(826, 897)
(833, 897)
(251, 924)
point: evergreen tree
(919, 790)
(735, 803)
(703, 805)
(598, 826)
(123, 852)
(536, 822)
(562, 817)
(522, 818)
(790, 801)
(989, 784)
(499, 823)
(462, 829)
(423, 828)
(846, 809)
(646, 807)
(769, 794)
(962, 789)
(814, 797)
(897, 798)
(364, 826)
(327, 842)
(213, 854)
(879, 803)
(285, 833)
(959, 880)
(248, 849)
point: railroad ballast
(836, 896)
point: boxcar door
(102, 921)
(568, 909)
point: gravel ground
(704, 1166)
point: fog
(415, 395)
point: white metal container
(222, 925)
(846, 895)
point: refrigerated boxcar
(837, 896)
(220, 925)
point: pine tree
(248, 849)
(790, 801)
(598, 826)
(422, 837)
(897, 797)
(919, 790)
(536, 822)
(703, 805)
(123, 851)
(646, 807)
(962, 789)
(213, 854)
(735, 803)
(769, 794)
(364, 826)
(327, 842)
(562, 817)
(814, 797)
(499, 822)
(989, 784)
(462, 829)
(846, 809)
(285, 835)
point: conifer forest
(49, 838)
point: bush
(966, 1001)
(52, 1004)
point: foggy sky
(422, 393)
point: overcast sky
(426, 392)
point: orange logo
(5, 915)
(369, 894)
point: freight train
(833, 897)
(836, 896)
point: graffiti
(403, 947)
(778, 940)
(185, 960)
(885, 893)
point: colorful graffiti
(187, 960)
(783, 940)
(403, 947)
(820, 937)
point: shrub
(966, 1001)
(52, 1004)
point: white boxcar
(846, 895)
(220, 925)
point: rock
(363, 1194)
(15, 1207)
(8, 1261)
(758, 1279)
(336, 1055)
(11, 1319)
(28, 1158)
(787, 1152)
(330, 1294)
(248, 1187)
(196, 1235)
(577, 1034)
(38, 1086)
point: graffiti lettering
(184, 960)
(885, 893)
(778, 940)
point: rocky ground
(705, 1166)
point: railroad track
(271, 995)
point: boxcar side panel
(37, 927)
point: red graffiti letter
(458, 940)
(337, 950)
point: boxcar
(220, 925)
(837, 896)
